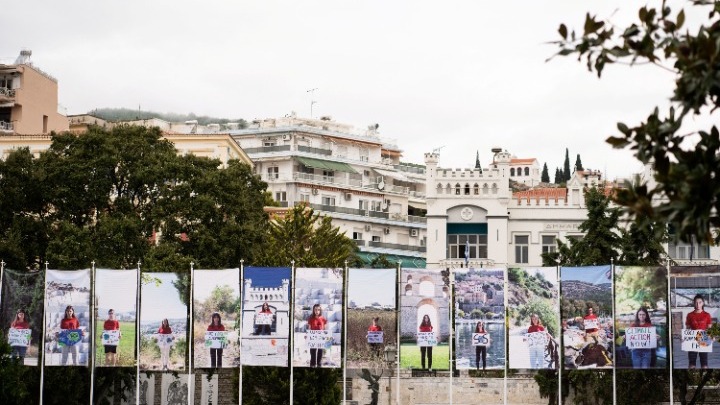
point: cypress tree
(566, 166)
(558, 176)
(477, 161)
(544, 176)
(578, 163)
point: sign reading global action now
(216, 340)
(696, 341)
(19, 337)
(319, 339)
(641, 338)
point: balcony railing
(6, 126)
(267, 149)
(318, 151)
(6, 93)
(397, 246)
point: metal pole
(292, 332)
(451, 307)
(91, 354)
(505, 367)
(191, 340)
(41, 351)
(344, 354)
(561, 358)
(137, 335)
(612, 284)
(670, 339)
(242, 283)
(397, 333)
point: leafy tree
(643, 246)
(544, 176)
(686, 191)
(566, 166)
(578, 163)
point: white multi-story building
(477, 210)
(351, 175)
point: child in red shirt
(20, 322)
(426, 351)
(111, 350)
(216, 353)
(316, 322)
(698, 320)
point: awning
(392, 175)
(326, 165)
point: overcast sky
(462, 75)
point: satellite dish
(381, 185)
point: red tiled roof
(542, 193)
(522, 161)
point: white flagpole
(344, 330)
(137, 335)
(91, 353)
(242, 294)
(451, 307)
(292, 330)
(505, 303)
(561, 357)
(41, 352)
(2, 273)
(191, 340)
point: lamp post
(391, 359)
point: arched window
(457, 188)
(527, 171)
(485, 188)
(467, 189)
(494, 188)
(426, 287)
(448, 189)
(512, 171)
(476, 189)
(408, 290)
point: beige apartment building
(28, 99)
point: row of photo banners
(607, 316)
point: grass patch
(410, 357)
(126, 349)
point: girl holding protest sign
(698, 319)
(216, 353)
(111, 350)
(20, 322)
(375, 347)
(481, 350)
(641, 358)
(316, 322)
(426, 351)
(70, 322)
(265, 310)
(537, 352)
(165, 345)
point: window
(273, 172)
(467, 189)
(357, 236)
(376, 238)
(457, 189)
(45, 124)
(476, 189)
(548, 243)
(269, 144)
(305, 197)
(477, 246)
(527, 171)
(576, 238)
(375, 206)
(512, 171)
(688, 251)
(280, 196)
(328, 175)
(328, 200)
(521, 248)
(364, 155)
(363, 205)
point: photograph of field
(216, 293)
(163, 299)
(116, 290)
(63, 289)
(23, 291)
(533, 321)
(587, 316)
(479, 302)
(371, 308)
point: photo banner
(533, 325)
(22, 313)
(424, 308)
(479, 318)
(587, 317)
(216, 305)
(67, 317)
(694, 298)
(174, 389)
(266, 316)
(116, 309)
(163, 321)
(372, 319)
(641, 312)
(147, 389)
(318, 318)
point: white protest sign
(590, 324)
(216, 339)
(164, 339)
(375, 336)
(111, 337)
(263, 319)
(19, 337)
(480, 339)
(641, 338)
(696, 341)
(319, 339)
(537, 339)
(425, 339)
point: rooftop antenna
(312, 96)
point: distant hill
(127, 114)
(573, 289)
